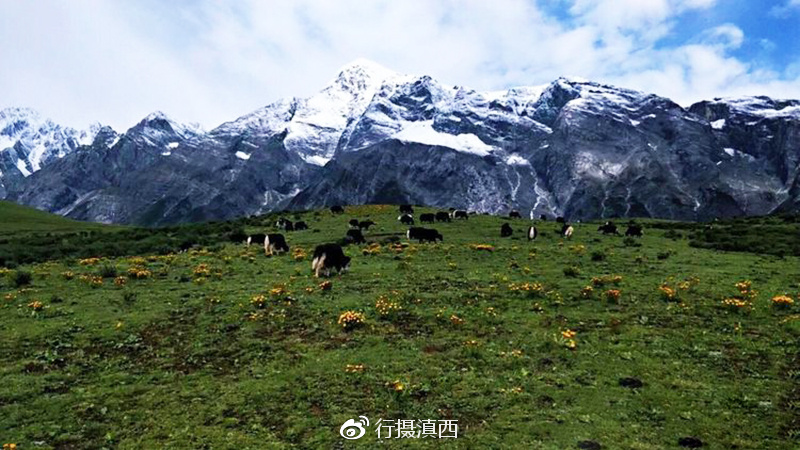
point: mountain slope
(23, 219)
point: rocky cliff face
(573, 148)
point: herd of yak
(329, 257)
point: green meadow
(113, 339)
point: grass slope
(16, 219)
(227, 348)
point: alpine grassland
(185, 338)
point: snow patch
(730, 151)
(23, 168)
(243, 155)
(113, 141)
(173, 145)
(423, 133)
(635, 122)
(315, 159)
(718, 124)
(516, 160)
(167, 153)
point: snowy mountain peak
(17, 113)
(29, 141)
(362, 74)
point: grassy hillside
(554, 344)
(22, 219)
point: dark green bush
(107, 271)
(22, 278)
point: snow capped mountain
(29, 142)
(573, 148)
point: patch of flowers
(606, 280)
(36, 305)
(259, 301)
(299, 254)
(612, 294)
(350, 320)
(92, 280)
(372, 249)
(567, 339)
(485, 247)
(744, 299)
(202, 270)
(386, 307)
(88, 261)
(782, 301)
(396, 385)
(736, 303)
(667, 292)
(139, 272)
(355, 368)
(455, 320)
(278, 290)
(532, 289)
(120, 281)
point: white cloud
(785, 10)
(210, 61)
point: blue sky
(205, 61)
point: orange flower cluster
(613, 294)
(253, 316)
(202, 270)
(533, 289)
(278, 290)
(91, 280)
(397, 386)
(606, 279)
(88, 261)
(299, 254)
(455, 320)
(486, 247)
(736, 303)
(667, 292)
(355, 368)
(351, 319)
(326, 286)
(568, 339)
(782, 300)
(259, 301)
(397, 247)
(120, 281)
(139, 272)
(587, 292)
(372, 249)
(746, 290)
(36, 305)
